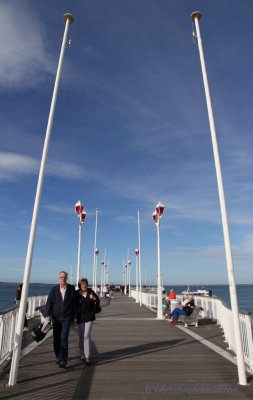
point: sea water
(8, 292)
(244, 293)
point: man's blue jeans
(61, 333)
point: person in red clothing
(172, 294)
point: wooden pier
(134, 356)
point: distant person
(172, 294)
(60, 309)
(85, 299)
(186, 308)
(18, 298)
(105, 292)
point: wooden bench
(191, 319)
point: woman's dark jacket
(85, 307)
(189, 307)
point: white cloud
(22, 52)
(59, 209)
(49, 234)
(14, 165)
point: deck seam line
(223, 353)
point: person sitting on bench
(186, 309)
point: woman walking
(85, 302)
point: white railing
(215, 309)
(148, 299)
(8, 320)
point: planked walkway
(135, 356)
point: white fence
(8, 321)
(215, 309)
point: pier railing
(8, 321)
(215, 309)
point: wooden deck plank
(134, 356)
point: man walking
(60, 309)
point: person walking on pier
(85, 301)
(60, 309)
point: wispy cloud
(22, 52)
(14, 166)
(49, 233)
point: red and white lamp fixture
(156, 216)
(81, 214)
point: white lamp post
(81, 214)
(139, 257)
(129, 278)
(101, 288)
(136, 252)
(94, 275)
(105, 266)
(68, 18)
(159, 209)
(125, 291)
(96, 252)
(230, 268)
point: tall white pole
(139, 256)
(125, 278)
(136, 275)
(123, 275)
(29, 256)
(96, 269)
(101, 280)
(129, 278)
(104, 267)
(230, 268)
(79, 250)
(159, 287)
(107, 272)
(94, 280)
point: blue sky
(130, 129)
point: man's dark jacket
(58, 309)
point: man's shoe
(87, 360)
(82, 359)
(62, 364)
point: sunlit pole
(102, 265)
(104, 280)
(94, 283)
(230, 268)
(136, 252)
(125, 291)
(139, 243)
(81, 214)
(156, 218)
(68, 18)
(96, 266)
(129, 278)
